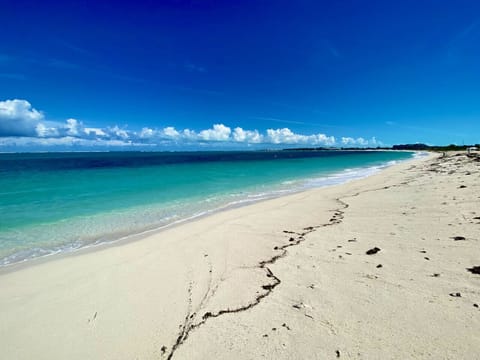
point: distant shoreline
(407, 147)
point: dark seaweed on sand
(474, 270)
(373, 251)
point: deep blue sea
(54, 202)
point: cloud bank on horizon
(24, 127)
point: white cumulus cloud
(46, 131)
(146, 133)
(287, 136)
(22, 125)
(74, 127)
(170, 132)
(189, 134)
(118, 133)
(94, 132)
(248, 136)
(18, 118)
(219, 132)
(360, 141)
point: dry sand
(287, 278)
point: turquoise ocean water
(55, 202)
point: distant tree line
(415, 147)
(451, 147)
(336, 148)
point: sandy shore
(287, 278)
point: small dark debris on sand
(291, 239)
(462, 187)
(206, 315)
(475, 305)
(457, 238)
(163, 349)
(268, 287)
(379, 266)
(373, 251)
(338, 353)
(474, 270)
(352, 240)
(286, 326)
(423, 251)
(476, 218)
(426, 258)
(455, 294)
(265, 335)
(436, 275)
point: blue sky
(238, 74)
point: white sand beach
(287, 278)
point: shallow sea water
(54, 202)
